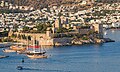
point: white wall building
(116, 24)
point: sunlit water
(86, 58)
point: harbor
(95, 57)
(59, 36)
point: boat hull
(37, 56)
(8, 50)
(23, 52)
(4, 56)
(17, 48)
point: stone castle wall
(44, 39)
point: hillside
(41, 3)
(35, 3)
(44, 3)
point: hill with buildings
(58, 20)
(43, 3)
(38, 4)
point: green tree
(26, 29)
(62, 30)
(41, 28)
(14, 36)
(85, 38)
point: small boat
(4, 56)
(17, 48)
(8, 50)
(19, 67)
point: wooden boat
(17, 48)
(8, 50)
(4, 56)
(36, 56)
(40, 53)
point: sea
(78, 58)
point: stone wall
(44, 39)
(62, 41)
(33, 35)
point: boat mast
(42, 49)
(39, 45)
(34, 44)
(20, 41)
(27, 42)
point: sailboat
(37, 52)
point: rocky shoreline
(79, 41)
(91, 41)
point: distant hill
(44, 3)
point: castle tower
(58, 23)
(98, 28)
(48, 33)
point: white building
(116, 24)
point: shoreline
(97, 41)
(71, 42)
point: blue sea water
(85, 58)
